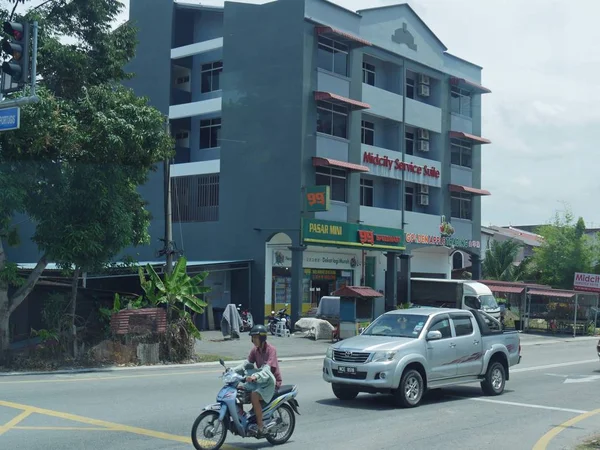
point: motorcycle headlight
(383, 356)
(329, 353)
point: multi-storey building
(318, 145)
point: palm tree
(499, 261)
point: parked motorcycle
(210, 428)
(247, 319)
(280, 316)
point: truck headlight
(329, 353)
(383, 356)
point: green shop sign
(342, 234)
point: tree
(565, 250)
(81, 152)
(499, 261)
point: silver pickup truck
(405, 352)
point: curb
(156, 367)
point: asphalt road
(546, 405)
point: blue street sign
(10, 119)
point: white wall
(432, 260)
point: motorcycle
(228, 414)
(280, 316)
(247, 319)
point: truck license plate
(351, 370)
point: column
(391, 281)
(297, 287)
(404, 279)
(475, 267)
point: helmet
(260, 331)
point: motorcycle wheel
(202, 444)
(273, 439)
(272, 328)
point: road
(154, 409)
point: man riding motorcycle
(263, 383)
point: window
(461, 153)
(409, 142)
(367, 132)
(332, 119)
(460, 205)
(409, 198)
(457, 261)
(462, 326)
(335, 179)
(195, 198)
(460, 102)
(211, 76)
(443, 326)
(410, 88)
(368, 73)
(210, 132)
(366, 192)
(333, 56)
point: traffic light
(16, 46)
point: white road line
(528, 405)
(552, 366)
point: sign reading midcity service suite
(586, 282)
(342, 234)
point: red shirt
(266, 356)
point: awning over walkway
(552, 293)
(357, 291)
(506, 289)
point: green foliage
(499, 258)
(565, 250)
(9, 275)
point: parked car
(405, 352)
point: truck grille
(350, 357)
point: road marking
(109, 426)
(527, 405)
(12, 423)
(543, 442)
(65, 428)
(582, 380)
(552, 366)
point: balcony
(461, 123)
(204, 107)
(195, 168)
(383, 103)
(197, 48)
(422, 115)
(461, 175)
(331, 82)
(332, 147)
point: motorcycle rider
(263, 383)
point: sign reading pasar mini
(586, 282)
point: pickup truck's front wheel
(344, 392)
(410, 391)
(495, 379)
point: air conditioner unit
(423, 200)
(423, 146)
(423, 189)
(423, 90)
(423, 79)
(423, 134)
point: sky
(540, 60)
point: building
(326, 146)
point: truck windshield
(397, 325)
(488, 302)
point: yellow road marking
(108, 426)
(20, 418)
(542, 444)
(65, 428)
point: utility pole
(168, 211)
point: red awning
(466, 84)
(334, 98)
(318, 161)
(506, 289)
(357, 291)
(467, 189)
(469, 137)
(342, 34)
(550, 293)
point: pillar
(297, 285)
(404, 279)
(391, 281)
(475, 267)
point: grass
(211, 358)
(590, 444)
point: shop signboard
(317, 198)
(586, 282)
(343, 234)
(424, 239)
(337, 261)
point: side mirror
(434, 335)
(222, 362)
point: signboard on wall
(343, 234)
(338, 261)
(317, 198)
(424, 239)
(387, 163)
(586, 282)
